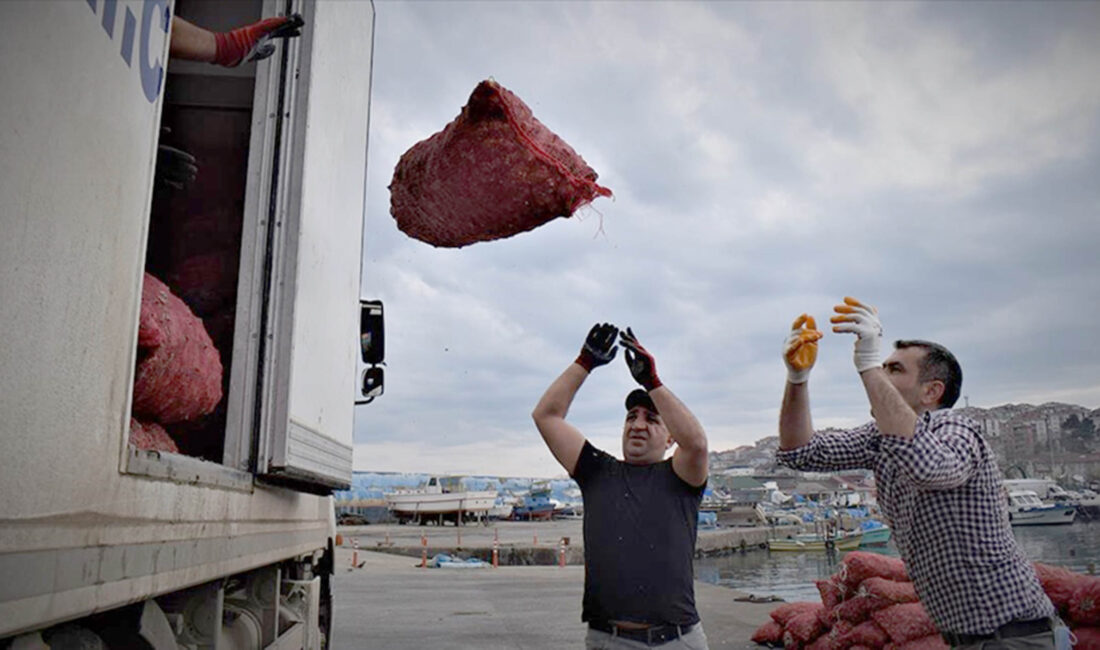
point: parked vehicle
(229, 543)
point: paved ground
(391, 603)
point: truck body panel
(89, 523)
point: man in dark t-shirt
(640, 513)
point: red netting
(929, 642)
(1084, 608)
(151, 436)
(770, 633)
(867, 633)
(1058, 583)
(179, 378)
(1088, 638)
(905, 622)
(893, 591)
(804, 627)
(786, 612)
(857, 566)
(831, 592)
(493, 172)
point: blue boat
(875, 533)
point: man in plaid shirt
(938, 483)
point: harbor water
(791, 576)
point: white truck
(230, 542)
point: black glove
(599, 348)
(640, 361)
(175, 167)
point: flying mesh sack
(493, 172)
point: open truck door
(306, 244)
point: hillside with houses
(1053, 440)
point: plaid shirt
(941, 493)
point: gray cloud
(938, 160)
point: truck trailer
(228, 541)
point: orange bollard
(355, 553)
(423, 552)
(561, 553)
(496, 554)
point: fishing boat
(845, 541)
(1025, 508)
(536, 504)
(440, 500)
(875, 533)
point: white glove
(862, 320)
(800, 349)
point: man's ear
(671, 441)
(932, 392)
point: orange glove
(800, 349)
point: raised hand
(599, 348)
(800, 349)
(254, 42)
(640, 362)
(854, 317)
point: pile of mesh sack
(870, 603)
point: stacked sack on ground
(179, 372)
(870, 603)
(1077, 599)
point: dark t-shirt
(639, 540)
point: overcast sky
(940, 161)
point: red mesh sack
(180, 378)
(151, 436)
(206, 282)
(493, 172)
(822, 642)
(831, 592)
(770, 633)
(786, 612)
(892, 591)
(1059, 584)
(1088, 638)
(928, 642)
(834, 637)
(804, 627)
(867, 633)
(1084, 608)
(860, 647)
(856, 609)
(905, 622)
(857, 566)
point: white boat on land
(1025, 508)
(440, 500)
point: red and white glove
(800, 349)
(253, 42)
(862, 320)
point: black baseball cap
(639, 397)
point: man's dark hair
(938, 364)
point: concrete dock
(390, 602)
